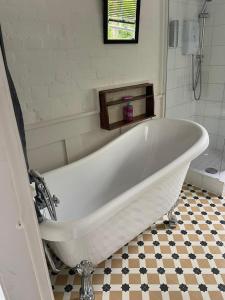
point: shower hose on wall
(197, 59)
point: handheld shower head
(204, 7)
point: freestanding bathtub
(112, 195)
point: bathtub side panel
(144, 209)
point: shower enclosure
(195, 85)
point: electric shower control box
(190, 41)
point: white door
(23, 270)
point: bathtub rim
(72, 229)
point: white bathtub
(112, 195)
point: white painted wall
(179, 98)
(57, 58)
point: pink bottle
(128, 112)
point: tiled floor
(185, 263)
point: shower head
(204, 13)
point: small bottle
(128, 112)
(125, 113)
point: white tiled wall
(179, 99)
(57, 59)
(210, 111)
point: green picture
(122, 19)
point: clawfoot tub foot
(172, 218)
(85, 269)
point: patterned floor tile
(187, 262)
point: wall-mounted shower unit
(190, 43)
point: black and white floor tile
(185, 263)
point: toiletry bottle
(130, 112)
(125, 113)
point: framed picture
(121, 21)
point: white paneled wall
(179, 99)
(210, 111)
(57, 58)
(58, 142)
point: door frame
(23, 269)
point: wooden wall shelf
(147, 96)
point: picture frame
(119, 28)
